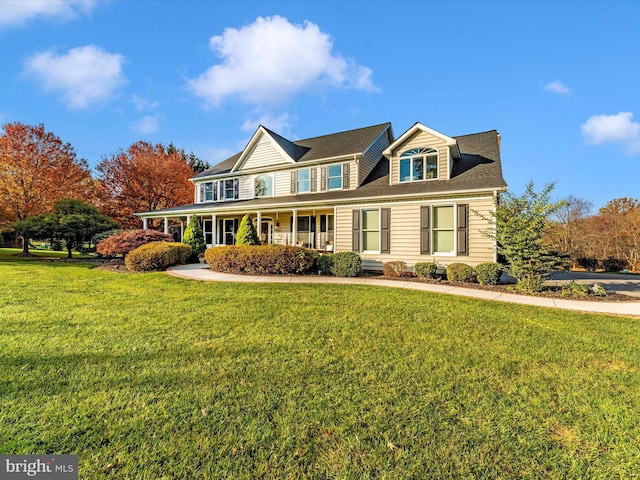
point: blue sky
(560, 81)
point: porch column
(214, 237)
(144, 223)
(259, 225)
(166, 225)
(182, 229)
(294, 228)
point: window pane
(443, 217)
(443, 241)
(418, 168)
(405, 170)
(432, 167)
(371, 240)
(303, 224)
(208, 191)
(228, 189)
(264, 186)
(335, 183)
(303, 174)
(335, 171)
(370, 219)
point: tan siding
(372, 156)
(264, 155)
(405, 235)
(417, 140)
(282, 183)
(246, 188)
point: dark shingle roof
(479, 168)
(315, 148)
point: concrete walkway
(203, 273)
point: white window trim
(454, 253)
(424, 157)
(340, 176)
(224, 189)
(362, 231)
(273, 187)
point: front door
(266, 230)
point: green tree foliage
(520, 226)
(195, 163)
(70, 221)
(247, 234)
(194, 237)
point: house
(420, 197)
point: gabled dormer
(421, 154)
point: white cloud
(280, 124)
(141, 104)
(18, 12)
(145, 125)
(557, 87)
(270, 60)
(84, 75)
(618, 129)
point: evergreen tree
(247, 234)
(194, 237)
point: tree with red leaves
(124, 242)
(36, 170)
(143, 178)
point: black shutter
(355, 231)
(294, 182)
(385, 230)
(425, 230)
(314, 179)
(323, 178)
(201, 199)
(221, 185)
(236, 188)
(463, 229)
(345, 175)
(214, 187)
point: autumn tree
(36, 169)
(567, 230)
(620, 223)
(143, 178)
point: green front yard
(150, 376)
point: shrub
(347, 264)
(394, 269)
(488, 273)
(613, 264)
(126, 241)
(325, 263)
(459, 272)
(589, 264)
(247, 234)
(157, 256)
(194, 237)
(261, 260)
(574, 289)
(426, 269)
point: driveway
(616, 282)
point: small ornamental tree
(247, 234)
(194, 237)
(125, 241)
(520, 226)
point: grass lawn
(9, 252)
(149, 376)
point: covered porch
(309, 228)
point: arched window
(419, 164)
(263, 186)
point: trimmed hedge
(347, 264)
(426, 269)
(488, 273)
(459, 272)
(395, 269)
(261, 260)
(157, 256)
(325, 263)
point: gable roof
(449, 141)
(351, 142)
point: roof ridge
(477, 133)
(340, 133)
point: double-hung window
(371, 230)
(263, 186)
(230, 189)
(443, 230)
(419, 164)
(334, 177)
(304, 181)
